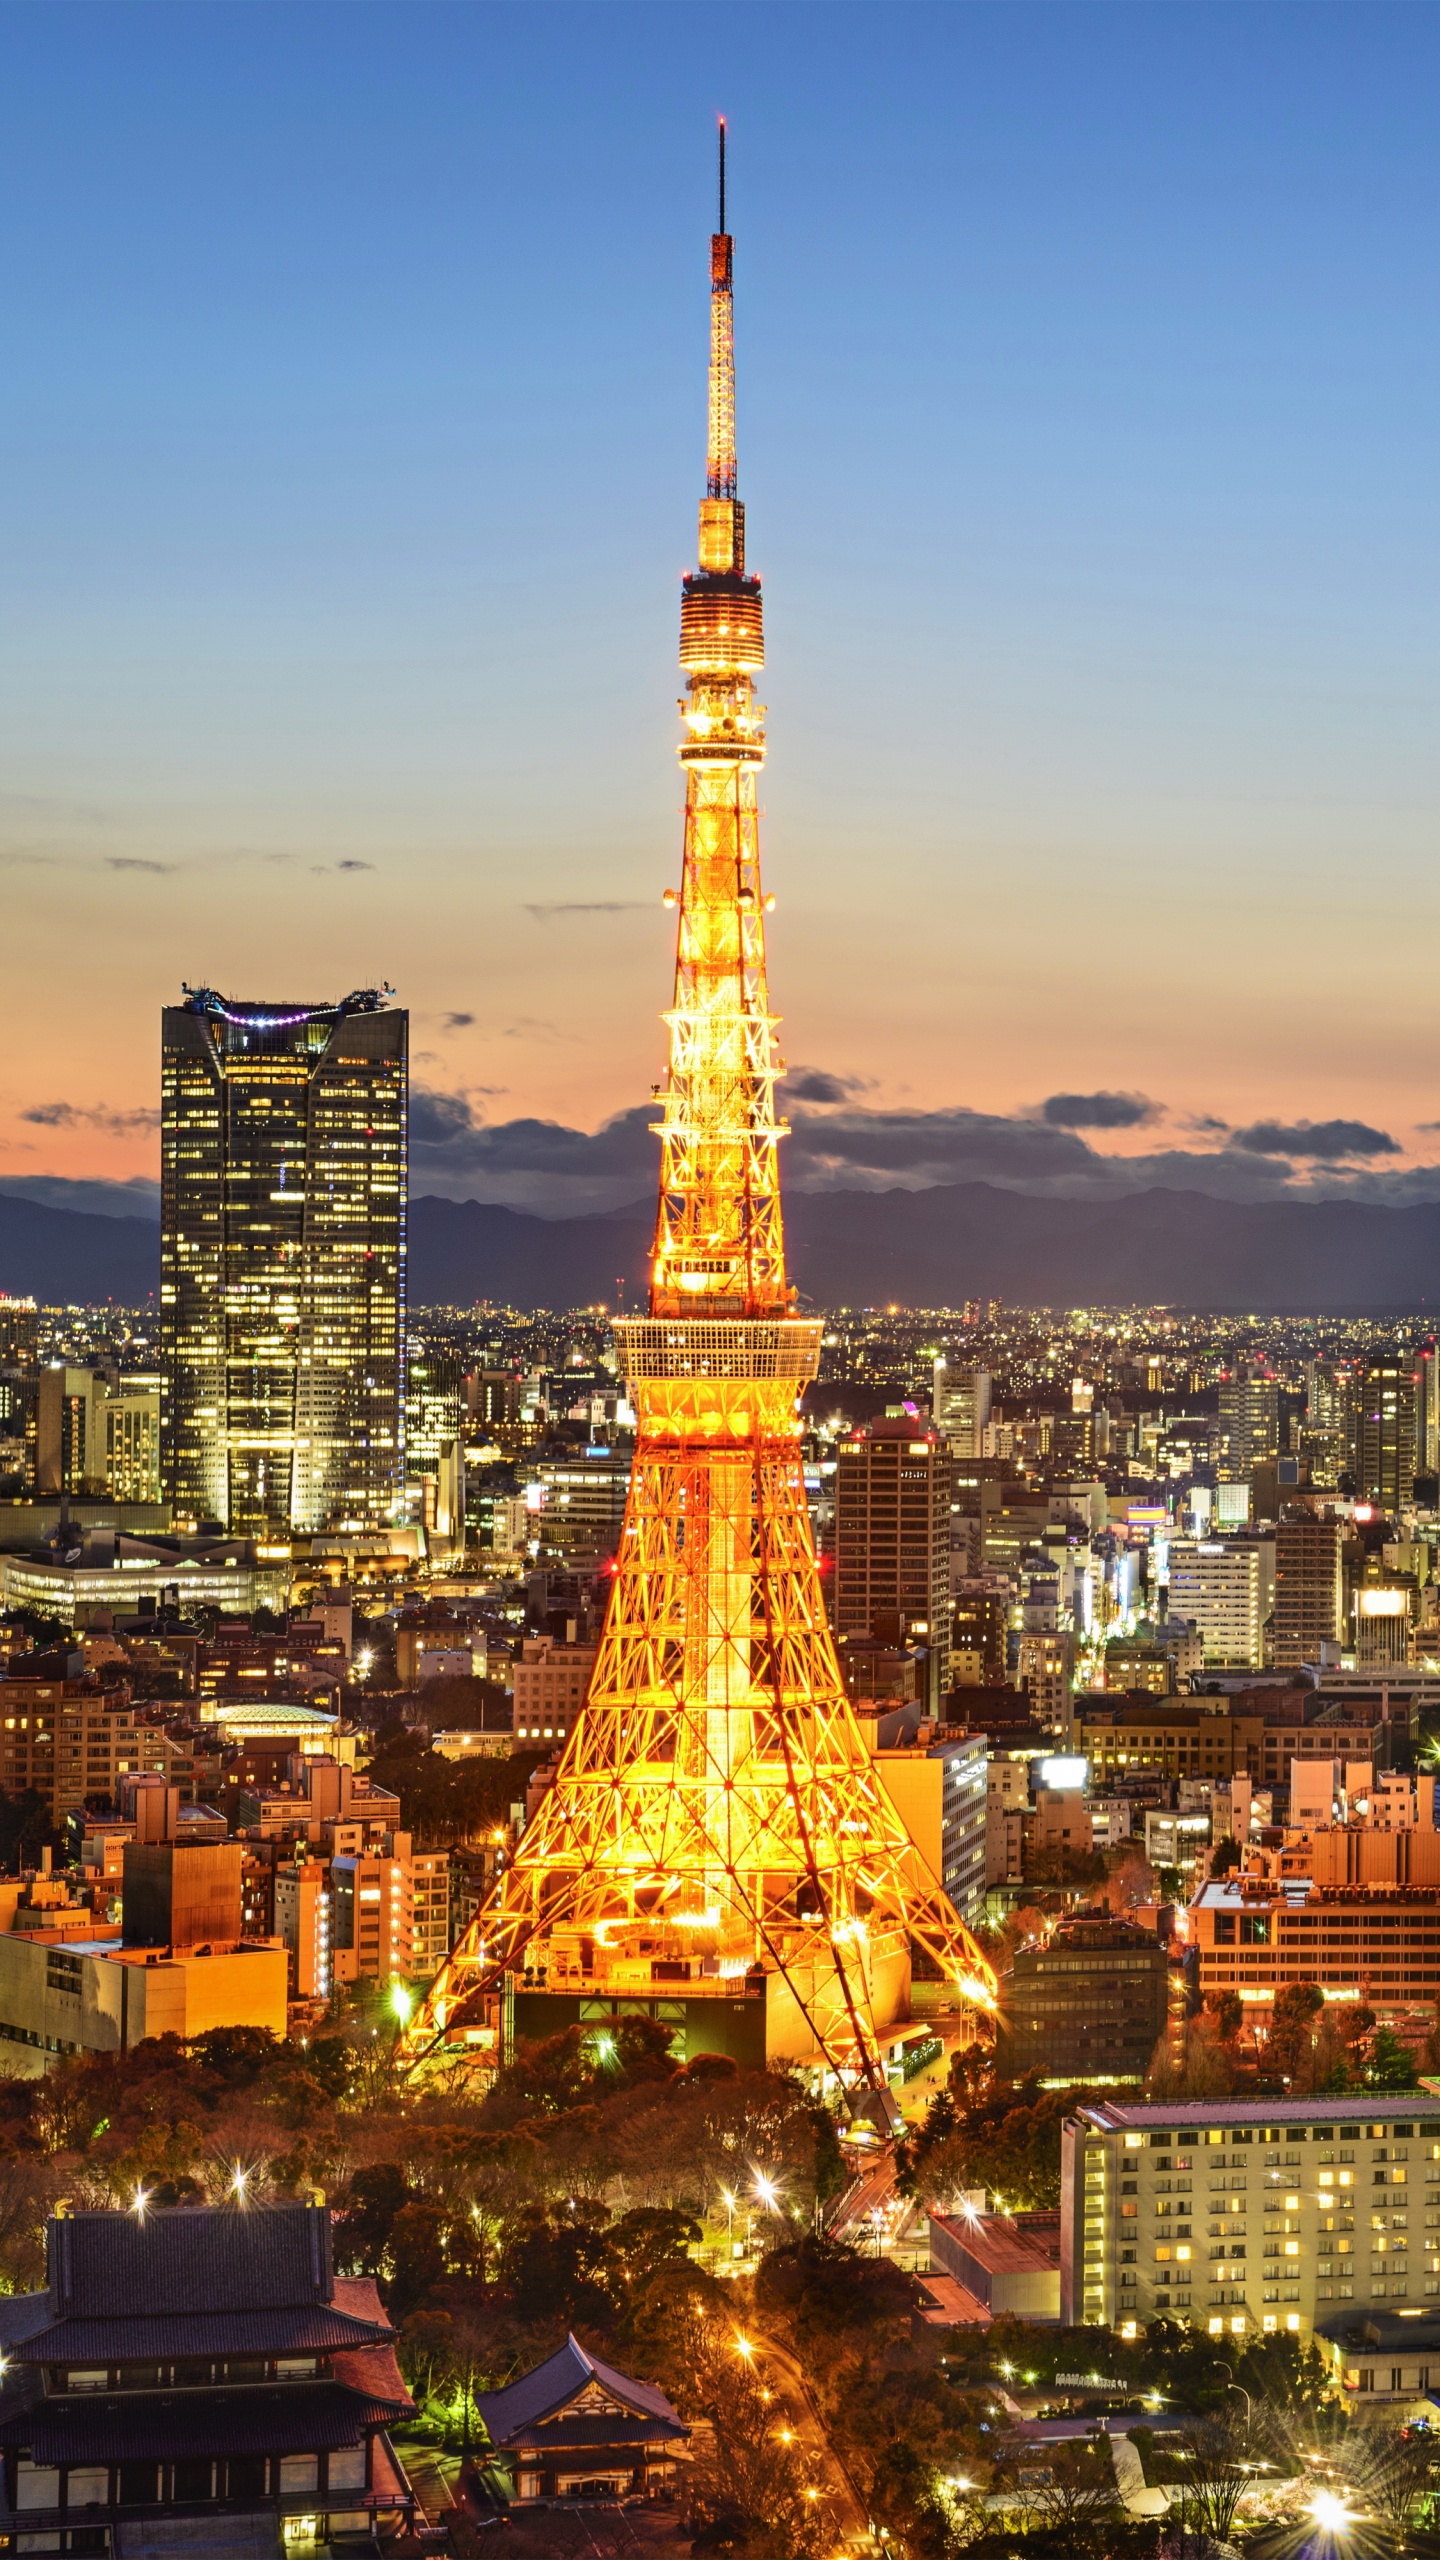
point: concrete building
(1206, 1738)
(964, 1764)
(92, 1996)
(1047, 1676)
(304, 1924)
(1243, 2219)
(1309, 1589)
(1249, 1421)
(1008, 2263)
(551, 1680)
(1089, 2006)
(1225, 1587)
(72, 1740)
(1059, 1825)
(1376, 1943)
(892, 1539)
(430, 1910)
(961, 1405)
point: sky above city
(352, 431)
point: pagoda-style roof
(152, 2426)
(230, 2258)
(251, 2281)
(147, 2340)
(534, 2409)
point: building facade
(1247, 2219)
(550, 1684)
(1386, 1426)
(1309, 1589)
(197, 2381)
(1089, 2006)
(283, 1186)
(1376, 1943)
(892, 1538)
(1249, 1422)
(1225, 1587)
(964, 1802)
(961, 1406)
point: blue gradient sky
(352, 433)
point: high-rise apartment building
(961, 1405)
(1249, 1421)
(283, 1160)
(1386, 1419)
(1225, 1588)
(1427, 1453)
(1309, 1590)
(892, 1537)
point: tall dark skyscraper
(283, 1183)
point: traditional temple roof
(147, 2340)
(249, 2281)
(511, 2416)
(149, 2426)
(240, 2258)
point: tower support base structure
(718, 1851)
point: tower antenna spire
(722, 174)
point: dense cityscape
(678, 1924)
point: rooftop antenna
(722, 174)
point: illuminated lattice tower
(717, 1847)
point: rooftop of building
(1398, 2113)
(1095, 1932)
(540, 2396)
(1006, 2244)
(1410, 2333)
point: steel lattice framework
(717, 1828)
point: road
(843, 2501)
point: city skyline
(1112, 407)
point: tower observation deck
(717, 1848)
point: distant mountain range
(72, 1257)
(848, 1248)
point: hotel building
(1240, 2219)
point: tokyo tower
(717, 1850)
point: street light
(1330, 2513)
(1233, 2385)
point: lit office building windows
(283, 1262)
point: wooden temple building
(575, 2428)
(197, 2380)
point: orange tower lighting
(717, 1848)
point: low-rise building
(576, 2428)
(1374, 1943)
(1198, 1738)
(550, 1684)
(1009, 2263)
(66, 1995)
